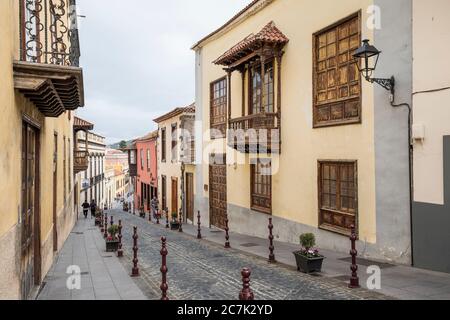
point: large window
(218, 107)
(163, 145)
(174, 142)
(261, 186)
(141, 158)
(338, 195)
(164, 192)
(148, 159)
(337, 85)
(262, 101)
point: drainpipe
(411, 166)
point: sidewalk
(102, 275)
(401, 282)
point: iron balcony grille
(48, 32)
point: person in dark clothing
(86, 207)
(93, 208)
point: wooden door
(55, 192)
(190, 196)
(218, 194)
(30, 238)
(174, 208)
(164, 192)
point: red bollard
(164, 287)
(150, 216)
(111, 223)
(246, 293)
(157, 217)
(199, 234)
(167, 218)
(180, 220)
(102, 230)
(120, 251)
(105, 234)
(227, 236)
(135, 270)
(271, 246)
(354, 280)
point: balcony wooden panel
(133, 170)
(81, 161)
(257, 133)
(54, 89)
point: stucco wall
(14, 105)
(295, 184)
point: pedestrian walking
(93, 208)
(86, 207)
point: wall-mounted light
(369, 56)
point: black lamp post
(369, 56)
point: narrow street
(201, 270)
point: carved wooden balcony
(257, 133)
(80, 161)
(48, 72)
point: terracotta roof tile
(176, 112)
(270, 34)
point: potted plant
(174, 224)
(112, 241)
(308, 259)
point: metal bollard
(120, 251)
(167, 218)
(180, 220)
(199, 233)
(227, 236)
(246, 293)
(164, 287)
(105, 231)
(354, 280)
(135, 270)
(271, 246)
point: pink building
(146, 178)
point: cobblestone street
(201, 270)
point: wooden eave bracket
(53, 88)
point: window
(164, 192)
(132, 156)
(141, 158)
(148, 159)
(262, 102)
(163, 145)
(261, 186)
(338, 195)
(218, 107)
(174, 143)
(337, 82)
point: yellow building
(41, 86)
(176, 161)
(290, 129)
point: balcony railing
(81, 161)
(49, 33)
(256, 133)
(47, 71)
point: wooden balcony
(133, 170)
(48, 72)
(257, 133)
(80, 161)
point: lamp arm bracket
(388, 84)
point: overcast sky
(137, 60)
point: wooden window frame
(253, 193)
(338, 103)
(324, 210)
(148, 160)
(164, 192)
(257, 68)
(174, 142)
(141, 158)
(211, 106)
(163, 144)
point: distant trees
(122, 144)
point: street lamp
(369, 56)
